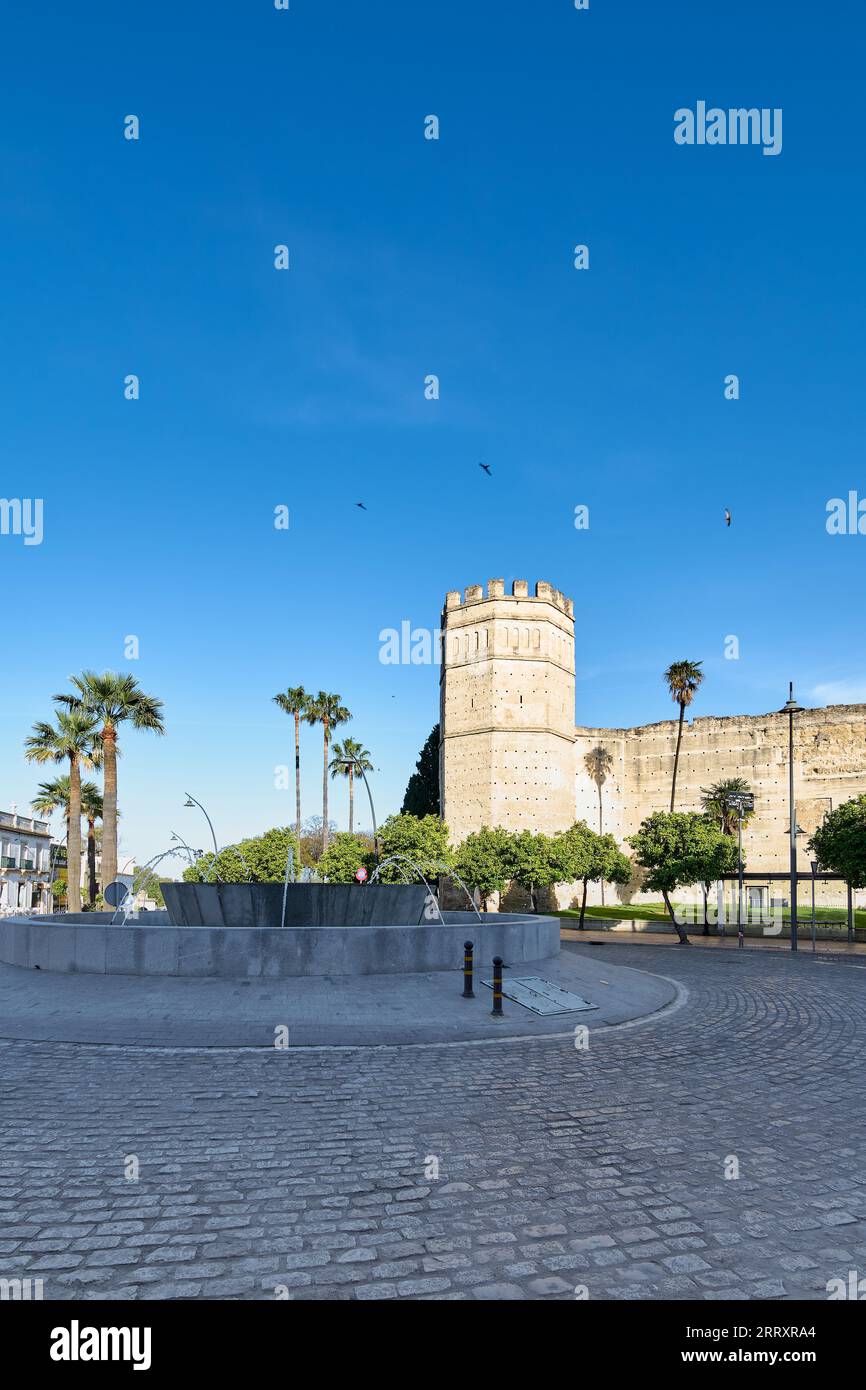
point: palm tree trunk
(327, 730)
(109, 806)
(677, 755)
(91, 860)
(298, 791)
(351, 798)
(73, 839)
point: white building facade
(25, 864)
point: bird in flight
(361, 505)
(486, 467)
(727, 517)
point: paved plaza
(523, 1169)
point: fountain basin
(307, 904)
(216, 952)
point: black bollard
(468, 991)
(496, 1011)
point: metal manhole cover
(542, 996)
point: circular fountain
(277, 931)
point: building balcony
(8, 863)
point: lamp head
(791, 706)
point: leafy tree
(611, 865)
(328, 711)
(839, 843)
(261, 859)
(422, 839)
(311, 840)
(112, 700)
(716, 802)
(719, 857)
(345, 855)
(422, 792)
(538, 862)
(680, 848)
(348, 757)
(60, 890)
(683, 679)
(484, 862)
(574, 851)
(155, 890)
(294, 702)
(70, 739)
(589, 858)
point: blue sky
(411, 257)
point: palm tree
(683, 679)
(70, 739)
(92, 806)
(716, 801)
(54, 796)
(294, 701)
(113, 699)
(326, 710)
(348, 756)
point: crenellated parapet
(474, 593)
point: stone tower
(507, 709)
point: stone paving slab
(340, 1010)
(526, 1171)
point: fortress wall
(510, 753)
(829, 767)
(614, 743)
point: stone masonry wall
(511, 755)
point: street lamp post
(791, 708)
(814, 864)
(191, 801)
(740, 929)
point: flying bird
(361, 505)
(486, 467)
(727, 517)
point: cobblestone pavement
(305, 1172)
